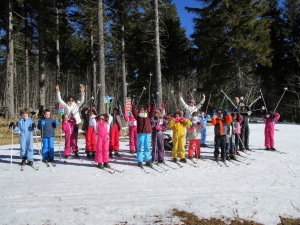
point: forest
(119, 48)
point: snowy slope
(79, 193)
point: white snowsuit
(190, 109)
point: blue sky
(186, 18)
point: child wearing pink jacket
(131, 122)
(270, 120)
(101, 126)
(70, 138)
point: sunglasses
(101, 118)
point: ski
(280, 152)
(233, 162)
(119, 171)
(152, 167)
(53, 164)
(242, 161)
(46, 163)
(178, 164)
(22, 167)
(33, 167)
(159, 165)
(193, 161)
(245, 152)
(218, 162)
(225, 163)
(193, 165)
(142, 168)
(107, 170)
(165, 164)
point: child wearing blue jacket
(47, 126)
(203, 119)
(25, 126)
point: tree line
(117, 47)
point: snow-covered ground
(79, 193)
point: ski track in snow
(77, 192)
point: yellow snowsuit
(178, 129)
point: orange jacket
(220, 124)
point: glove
(43, 123)
(158, 127)
(182, 119)
(33, 125)
(198, 123)
(214, 112)
(162, 105)
(225, 112)
(56, 122)
(192, 128)
(176, 120)
(11, 125)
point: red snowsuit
(269, 129)
(131, 122)
(90, 136)
(114, 136)
(102, 130)
(70, 136)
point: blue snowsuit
(203, 120)
(24, 125)
(47, 135)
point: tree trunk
(94, 66)
(26, 60)
(124, 68)
(57, 48)
(157, 56)
(41, 59)
(9, 87)
(101, 58)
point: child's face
(47, 115)
(66, 117)
(25, 115)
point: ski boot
(183, 160)
(23, 161)
(140, 164)
(273, 149)
(29, 163)
(106, 165)
(161, 161)
(117, 154)
(100, 166)
(149, 163)
(110, 154)
(268, 148)
(190, 157)
(175, 160)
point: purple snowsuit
(157, 138)
(269, 129)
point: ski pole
(254, 101)
(207, 104)
(191, 93)
(140, 96)
(263, 100)
(247, 97)
(285, 89)
(221, 105)
(12, 142)
(228, 98)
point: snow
(79, 193)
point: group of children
(102, 132)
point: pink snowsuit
(131, 122)
(102, 130)
(70, 138)
(90, 136)
(269, 129)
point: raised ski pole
(263, 100)
(12, 142)
(285, 89)
(140, 96)
(207, 104)
(254, 101)
(221, 105)
(228, 99)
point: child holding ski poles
(220, 122)
(159, 125)
(132, 124)
(194, 133)
(101, 126)
(144, 130)
(90, 135)
(270, 119)
(25, 126)
(47, 126)
(68, 127)
(178, 125)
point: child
(238, 119)
(68, 126)
(143, 129)
(47, 126)
(131, 122)
(114, 135)
(90, 136)
(159, 125)
(270, 119)
(101, 126)
(203, 119)
(233, 128)
(178, 125)
(220, 123)
(194, 133)
(25, 126)
(168, 143)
